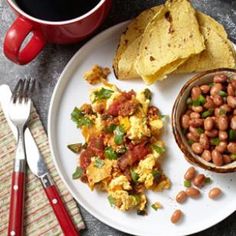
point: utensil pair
(19, 114)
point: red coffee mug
(42, 32)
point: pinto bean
(233, 122)
(181, 197)
(208, 123)
(199, 180)
(226, 108)
(193, 192)
(196, 122)
(190, 173)
(214, 193)
(185, 121)
(194, 131)
(222, 147)
(197, 109)
(176, 216)
(223, 135)
(206, 155)
(204, 141)
(217, 158)
(230, 90)
(197, 148)
(209, 103)
(216, 88)
(231, 147)
(195, 92)
(212, 134)
(205, 88)
(227, 159)
(194, 115)
(223, 123)
(231, 101)
(190, 136)
(220, 78)
(218, 100)
(233, 82)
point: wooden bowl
(180, 107)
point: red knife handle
(60, 211)
(15, 226)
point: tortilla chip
(169, 40)
(127, 50)
(219, 51)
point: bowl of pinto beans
(204, 120)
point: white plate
(71, 91)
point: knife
(38, 168)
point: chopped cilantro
(187, 183)
(99, 163)
(111, 200)
(110, 128)
(190, 142)
(134, 175)
(119, 135)
(207, 113)
(200, 130)
(222, 112)
(76, 147)
(110, 154)
(199, 101)
(215, 141)
(208, 180)
(78, 173)
(156, 206)
(223, 93)
(80, 119)
(148, 94)
(232, 135)
(233, 156)
(102, 94)
(158, 149)
(189, 101)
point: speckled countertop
(48, 66)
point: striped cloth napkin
(39, 218)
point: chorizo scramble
(122, 149)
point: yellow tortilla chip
(169, 40)
(127, 50)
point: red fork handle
(15, 226)
(15, 37)
(60, 211)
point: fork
(19, 113)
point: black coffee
(56, 10)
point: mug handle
(15, 37)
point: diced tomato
(85, 158)
(97, 146)
(134, 154)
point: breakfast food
(168, 41)
(209, 123)
(176, 216)
(122, 149)
(133, 58)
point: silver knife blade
(33, 156)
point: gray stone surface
(48, 66)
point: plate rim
(62, 82)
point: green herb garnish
(134, 176)
(110, 154)
(158, 149)
(232, 135)
(207, 113)
(76, 147)
(121, 150)
(102, 94)
(99, 163)
(80, 119)
(199, 101)
(110, 128)
(190, 142)
(78, 173)
(222, 112)
(233, 157)
(189, 101)
(111, 200)
(211, 85)
(215, 141)
(156, 206)
(200, 130)
(148, 94)
(156, 174)
(187, 183)
(223, 93)
(119, 135)
(208, 180)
